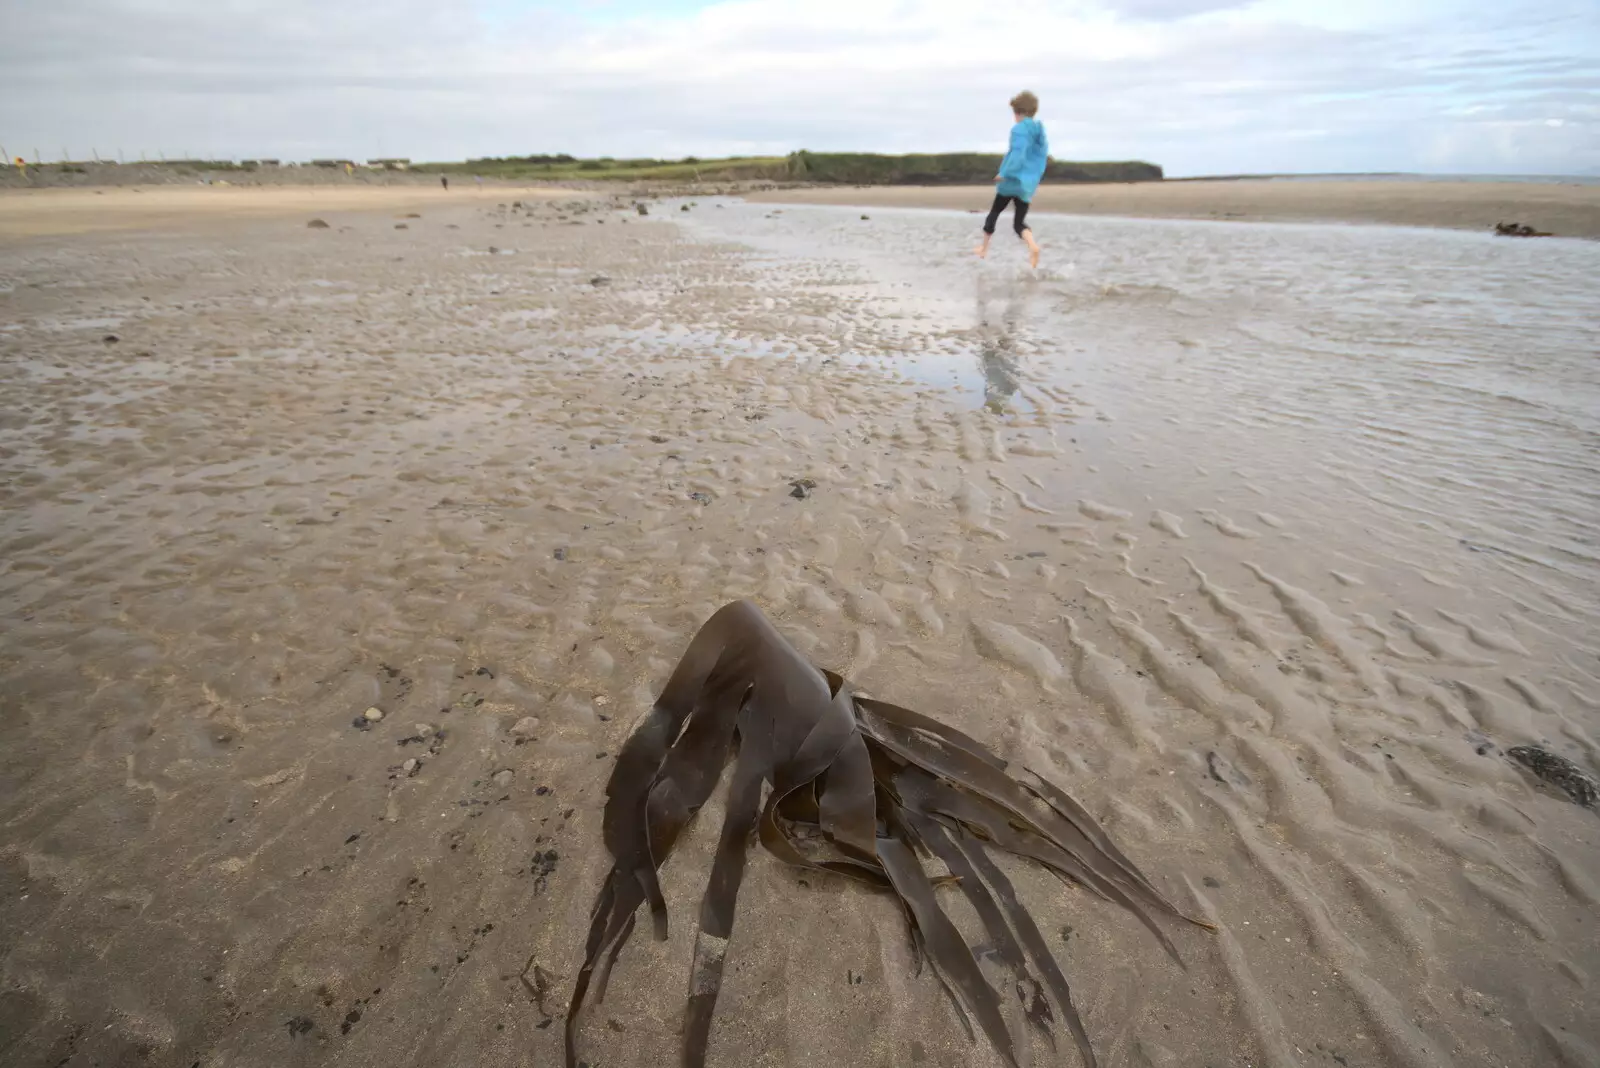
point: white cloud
(1197, 85)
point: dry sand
(1568, 210)
(488, 473)
(42, 212)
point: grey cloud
(1209, 94)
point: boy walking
(1019, 175)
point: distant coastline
(1392, 176)
(803, 167)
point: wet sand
(1568, 210)
(1266, 542)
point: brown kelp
(858, 788)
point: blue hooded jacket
(1025, 161)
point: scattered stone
(1505, 229)
(1559, 772)
(525, 726)
(111, 339)
(864, 218)
(599, 280)
(703, 498)
(317, 224)
(561, 553)
(642, 208)
(504, 776)
(801, 488)
(401, 226)
(373, 714)
(493, 251)
(544, 864)
(684, 208)
(411, 765)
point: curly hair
(1025, 103)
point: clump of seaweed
(859, 788)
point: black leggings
(1019, 219)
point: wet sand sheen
(1266, 545)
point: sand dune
(1268, 544)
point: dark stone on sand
(801, 488)
(544, 864)
(864, 218)
(1559, 772)
(401, 226)
(642, 208)
(1212, 881)
(599, 280)
(1512, 229)
(316, 224)
(111, 339)
(561, 554)
(684, 208)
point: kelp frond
(859, 788)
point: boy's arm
(1012, 163)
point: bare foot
(982, 251)
(1033, 257)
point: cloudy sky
(1200, 86)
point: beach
(337, 563)
(1569, 209)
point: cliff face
(948, 168)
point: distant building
(390, 164)
(332, 164)
(252, 163)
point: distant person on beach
(1019, 175)
(444, 180)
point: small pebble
(373, 714)
(504, 776)
(526, 725)
(410, 765)
(424, 729)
